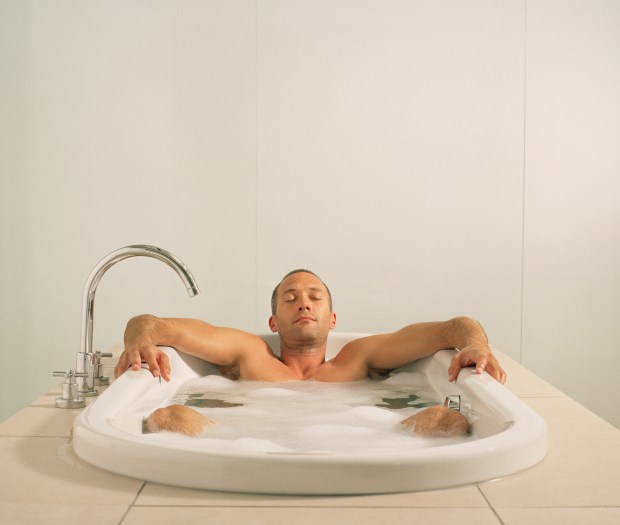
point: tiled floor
(44, 482)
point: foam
(300, 416)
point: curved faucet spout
(88, 303)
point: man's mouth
(305, 319)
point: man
(302, 315)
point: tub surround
(578, 482)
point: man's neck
(303, 361)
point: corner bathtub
(506, 437)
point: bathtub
(506, 436)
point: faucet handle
(70, 393)
(68, 374)
(100, 379)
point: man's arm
(145, 335)
(415, 341)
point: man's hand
(152, 355)
(140, 337)
(481, 357)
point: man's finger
(164, 366)
(125, 362)
(499, 374)
(481, 365)
(153, 365)
(454, 368)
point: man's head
(274, 295)
(302, 309)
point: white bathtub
(506, 437)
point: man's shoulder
(366, 343)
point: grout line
(256, 167)
(306, 506)
(31, 436)
(523, 187)
(559, 396)
(132, 504)
(489, 503)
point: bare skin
(303, 319)
(437, 422)
(176, 418)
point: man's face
(303, 314)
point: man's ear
(272, 324)
(332, 323)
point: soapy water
(306, 417)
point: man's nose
(304, 304)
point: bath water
(307, 417)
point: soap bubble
(307, 417)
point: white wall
(571, 300)
(402, 150)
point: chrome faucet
(88, 364)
